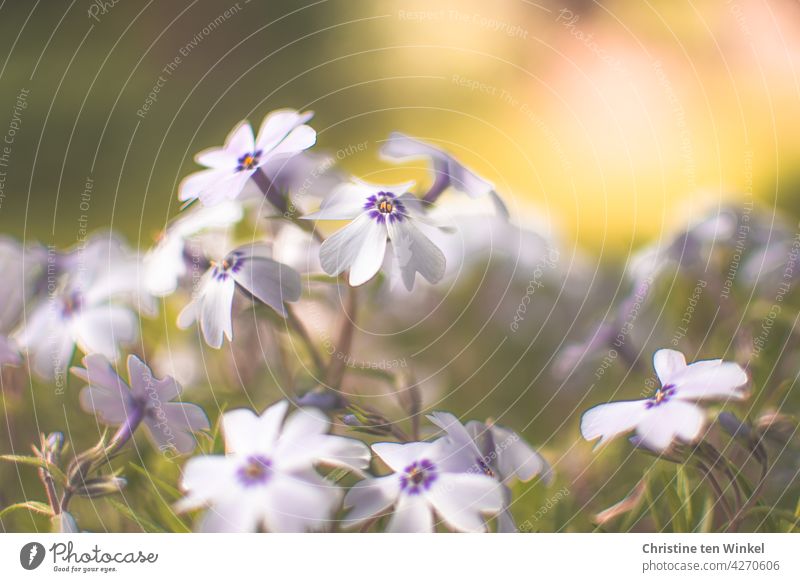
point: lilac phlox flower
(145, 399)
(447, 171)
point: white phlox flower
(89, 306)
(378, 214)
(494, 451)
(428, 484)
(249, 269)
(673, 412)
(166, 263)
(267, 479)
(283, 133)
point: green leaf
(322, 279)
(144, 523)
(774, 512)
(35, 506)
(161, 485)
(685, 492)
(651, 506)
(37, 462)
(706, 524)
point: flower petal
(701, 380)
(277, 125)
(305, 422)
(299, 503)
(516, 458)
(346, 247)
(607, 421)
(299, 139)
(398, 456)
(670, 420)
(232, 515)
(206, 478)
(163, 265)
(411, 515)
(106, 395)
(245, 432)
(188, 314)
(112, 409)
(333, 450)
(667, 364)
(370, 497)
(370, 256)
(214, 186)
(50, 348)
(171, 426)
(101, 329)
(193, 185)
(465, 180)
(344, 203)
(415, 253)
(215, 310)
(240, 140)
(218, 159)
(220, 216)
(269, 281)
(463, 455)
(461, 499)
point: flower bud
(100, 486)
(734, 427)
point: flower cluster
(297, 466)
(269, 477)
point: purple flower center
(663, 394)
(248, 161)
(418, 477)
(230, 264)
(256, 471)
(484, 467)
(72, 304)
(385, 205)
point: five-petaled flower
(497, 452)
(429, 479)
(267, 478)
(283, 133)
(250, 269)
(145, 399)
(89, 306)
(671, 413)
(377, 212)
(166, 262)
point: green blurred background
(612, 120)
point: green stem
(709, 476)
(763, 459)
(297, 325)
(338, 361)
